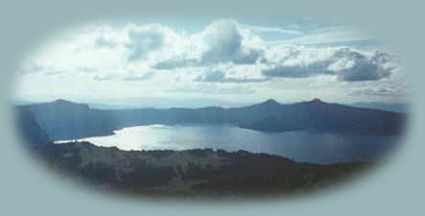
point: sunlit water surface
(298, 145)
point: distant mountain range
(67, 120)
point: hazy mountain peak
(65, 103)
(62, 101)
(271, 102)
(316, 100)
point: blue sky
(204, 62)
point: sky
(224, 61)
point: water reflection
(298, 145)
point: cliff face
(201, 172)
(29, 129)
(66, 120)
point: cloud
(226, 42)
(380, 91)
(123, 76)
(225, 57)
(261, 29)
(223, 41)
(345, 63)
(330, 35)
(177, 62)
(106, 76)
(143, 42)
(214, 76)
(40, 69)
(102, 42)
(220, 77)
(212, 88)
(272, 33)
(354, 66)
(141, 77)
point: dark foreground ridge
(191, 173)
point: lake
(323, 148)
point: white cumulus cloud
(224, 56)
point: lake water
(297, 145)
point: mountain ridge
(67, 120)
(269, 101)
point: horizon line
(97, 106)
